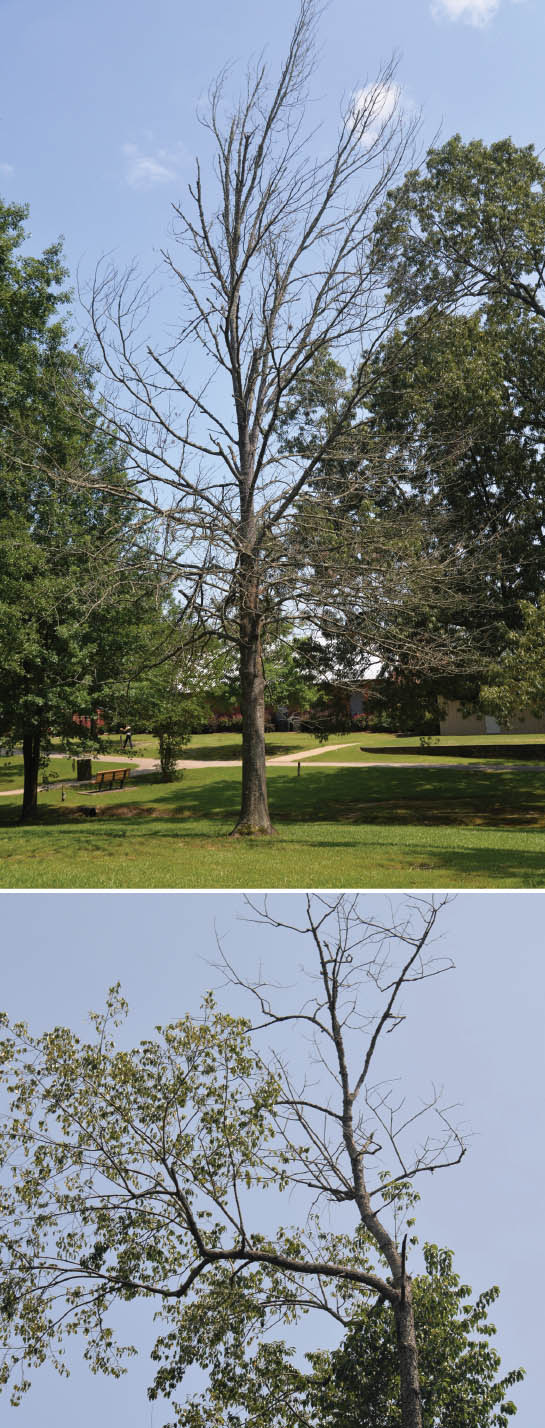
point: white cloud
(146, 167)
(6, 170)
(377, 102)
(472, 12)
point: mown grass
(383, 827)
(352, 753)
(204, 746)
(57, 770)
(229, 746)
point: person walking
(127, 737)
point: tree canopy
(469, 225)
(517, 680)
(446, 452)
(74, 562)
(356, 1384)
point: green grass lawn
(374, 827)
(209, 746)
(229, 746)
(352, 753)
(12, 772)
(397, 746)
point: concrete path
(139, 765)
(302, 754)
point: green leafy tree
(517, 682)
(73, 563)
(157, 1172)
(64, 560)
(395, 575)
(470, 224)
(465, 234)
(471, 401)
(447, 457)
(356, 1385)
(166, 680)
(32, 334)
(287, 682)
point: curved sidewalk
(139, 765)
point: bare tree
(352, 1145)
(274, 269)
(155, 1172)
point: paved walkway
(139, 765)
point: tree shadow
(422, 797)
(509, 799)
(10, 769)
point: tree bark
(411, 1402)
(31, 760)
(254, 815)
(254, 818)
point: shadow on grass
(477, 866)
(349, 857)
(511, 799)
(422, 797)
(10, 769)
(234, 751)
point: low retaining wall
(508, 752)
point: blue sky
(477, 1031)
(97, 111)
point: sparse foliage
(159, 1172)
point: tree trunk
(31, 760)
(411, 1403)
(254, 813)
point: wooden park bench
(110, 778)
